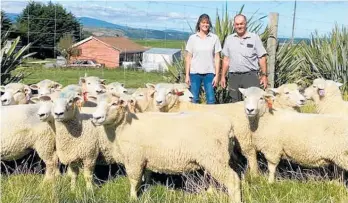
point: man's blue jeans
(196, 82)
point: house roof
(165, 51)
(123, 44)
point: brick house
(111, 51)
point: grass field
(131, 78)
(177, 44)
(28, 188)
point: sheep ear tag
(179, 93)
(269, 103)
(321, 92)
(85, 96)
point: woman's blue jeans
(196, 82)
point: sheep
(15, 93)
(116, 88)
(22, 130)
(46, 87)
(77, 139)
(144, 102)
(158, 142)
(327, 97)
(288, 96)
(182, 90)
(309, 139)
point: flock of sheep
(157, 128)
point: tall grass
(325, 57)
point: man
(244, 59)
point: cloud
(13, 6)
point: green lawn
(178, 44)
(131, 78)
(26, 188)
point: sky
(311, 16)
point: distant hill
(103, 28)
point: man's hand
(223, 82)
(264, 81)
(215, 81)
(187, 80)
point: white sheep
(288, 95)
(308, 139)
(159, 142)
(15, 93)
(77, 139)
(116, 88)
(182, 90)
(327, 97)
(46, 87)
(22, 130)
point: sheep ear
(242, 90)
(27, 89)
(339, 84)
(34, 87)
(269, 96)
(102, 81)
(82, 80)
(150, 85)
(274, 90)
(2, 88)
(35, 99)
(57, 86)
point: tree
(65, 47)
(6, 24)
(46, 24)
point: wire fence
(154, 23)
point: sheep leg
(134, 173)
(73, 171)
(252, 162)
(272, 170)
(47, 154)
(88, 173)
(229, 178)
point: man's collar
(247, 35)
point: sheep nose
(4, 100)
(59, 114)
(302, 101)
(158, 102)
(250, 110)
(125, 91)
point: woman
(203, 60)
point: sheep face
(46, 87)
(163, 96)
(65, 106)
(116, 88)
(109, 109)
(255, 100)
(322, 88)
(92, 85)
(181, 89)
(144, 98)
(290, 95)
(15, 93)
(45, 110)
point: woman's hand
(215, 81)
(187, 80)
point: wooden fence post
(272, 46)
